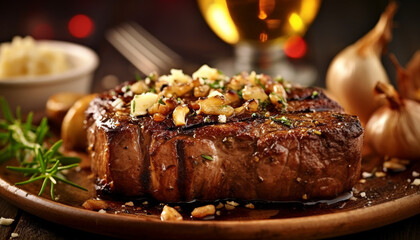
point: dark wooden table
(180, 34)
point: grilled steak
(309, 149)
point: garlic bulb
(408, 79)
(354, 72)
(394, 129)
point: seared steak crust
(312, 150)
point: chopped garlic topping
(221, 118)
(6, 221)
(142, 102)
(214, 93)
(176, 76)
(118, 103)
(206, 72)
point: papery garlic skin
(395, 132)
(354, 72)
(351, 78)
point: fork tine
(152, 42)
(142, 49)
(125, 48)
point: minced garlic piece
(206, 72)
(142, 102)
(102, 211)
(177, 76)
(416, 182)
(221, 118)
(6, 221)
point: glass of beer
(258, 29)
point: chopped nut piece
(218, 213)
(93, 204)
(250, 205)
(215, 106)
(14, 235)
(220, 205)
(170, 214)
(415, 174)
(179, 115)
(131, 204)
(232, 203)
(229, 207)
(353, 198)
(255, 92)
(201, 91)
(305, 197)
(380, 174)
(145, 202)
(363, 194)
(394, 166)
(6, 221)
(362, 180)
(416, 182)
(201, 212)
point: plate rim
(311, 227)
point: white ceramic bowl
(31, 93)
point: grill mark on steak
(144, 142)
(181, 179)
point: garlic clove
(354, 72)
(394, 130)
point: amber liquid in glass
(258, 20)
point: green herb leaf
(161, 101)
(138, 78)
(314, 94)
(25, 142)
(259, 83)
(207, 157)
(283, 120)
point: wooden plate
(377, 202)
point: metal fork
(142, 49)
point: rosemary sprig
(26, 143)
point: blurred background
(180, 25)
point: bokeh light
(80, 26)
(295, 47)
